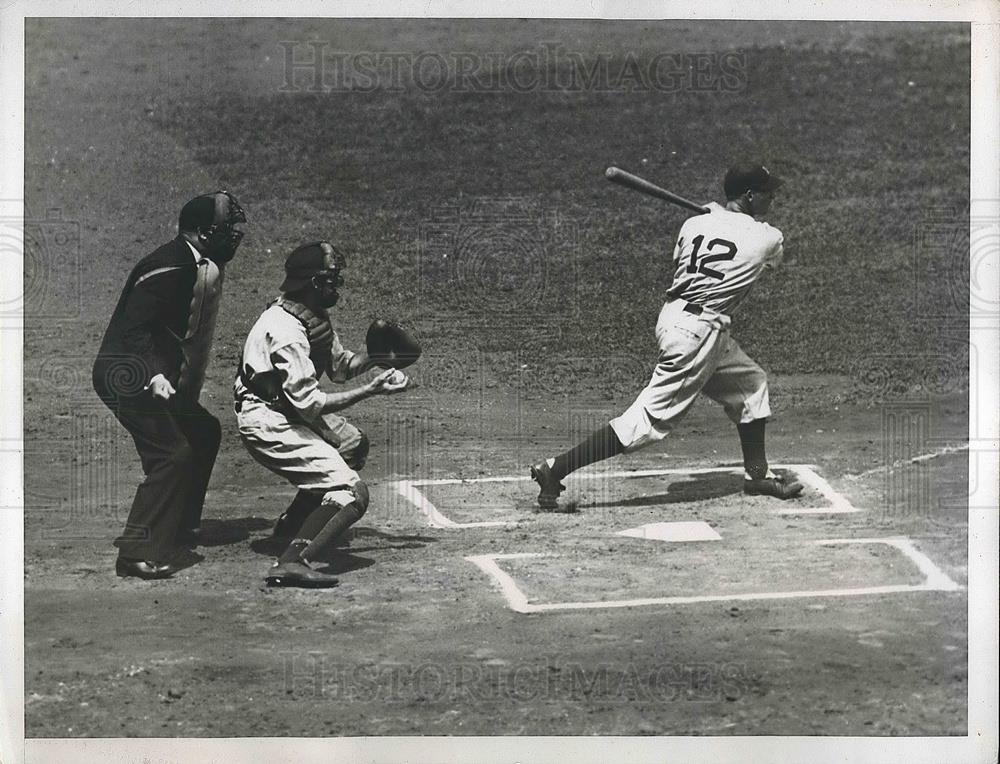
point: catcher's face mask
(328, 282)
(222, 238)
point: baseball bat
(627, 179)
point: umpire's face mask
(221, 243)
(221, 239)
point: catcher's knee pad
(357, 456)
(360, 490)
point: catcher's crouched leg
(320, 530)
(340, 510)
(291, 520)
(351, 443)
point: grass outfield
(873, 138)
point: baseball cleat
(548, 496)
(299, 574)
(778, 487)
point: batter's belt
(719, 320)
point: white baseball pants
(697, 354)
(300, 454)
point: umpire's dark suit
(177, 440)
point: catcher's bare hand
(388, 382)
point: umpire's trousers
(177, 442)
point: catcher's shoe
(299, 574)
(777, 486)
(548, 496)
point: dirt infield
(419, 640)
(864, 337)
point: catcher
(291, 426)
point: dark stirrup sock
(343, 519)
(752, 443)
(304, 503)
(313, 524)
(293, 552)
(602, 444)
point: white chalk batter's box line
(805, 473)
(935, 580)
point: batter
(717, 259)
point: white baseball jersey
(719, 256)
(302, 448)
(278, 343)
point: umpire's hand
(160, 388)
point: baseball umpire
(288, 423)
(150, 370)
(717, 259)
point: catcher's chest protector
(317, 328)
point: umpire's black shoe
(777, 486)
(127, 567)
(299, 574)
(548, 496)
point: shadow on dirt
(382, 540)
(232, 531)
(186, 558)
(364, 540)
(710, 485)
(340, 562)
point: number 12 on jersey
(701, 266)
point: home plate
(679, 531)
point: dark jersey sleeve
(145, 312)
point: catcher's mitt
(390, 345)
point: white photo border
(980, 745)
